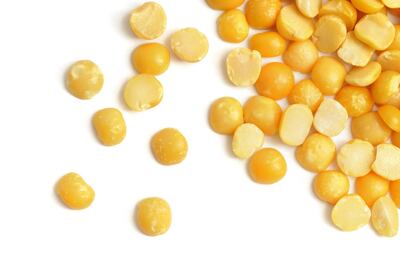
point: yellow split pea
(301, 56)
(385, 217)
(370, 127)
(84, 79)
(246, 140)
(267, 166)
(243, 66)
(355, 52)
(355, 158)
(261, 14)
(330, 118)
(356, 100)
(224, 4)
(225, 115)
(364, 76)
(109, 125)
(232, 26)
(305, 92)
(153, 216)
(391, 116)
(371, 187)
(151, 58)
(331, 185)
(330, 32)
(386, 87)
(74, 192)
(148, 21)
(390, 60)
(293, 25)
(295, 124)
(387, 168)
(169, 146)
(341, 8)
(309, 8)
(268, 44)
(189, 44)
(328, 75)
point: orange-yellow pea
(295, 124)
(356, 100)
(386, 87)
(371, 187)
(328, 75)
(153, 216)
(395, 192)
(189, 44)
(151, 58)
(391, 116)
(396, 139)
(309, 8)
(301, 56)
(232, 26)
(367, 6)
(109, 125)
(330, 32)
(276, 80)
(370, 127)
(269, 44)
(341, 8)
(261, 14)
(331, 185)
(169, 146)
(84, 79)
(364, 76)
(355, 52)
(267, 166)
(224, 4)
(74, 192)
(390, 60)
(305, 92)
(225, 115)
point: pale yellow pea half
(355, 52)
(243, 66)
(189, 45)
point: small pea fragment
(396, 42)
(247, 139)
(142, 92)
(292, 25)
(148, 21)
(305, 92)
(370, 127)
(341, 8)
(391, 116)
(74, 192)
(330, 32)
(268, 44)
(356, 100)
(295, 124)
(330, 118)
(153, 216)
(364, 76)
(394, 189)
(356, 157)
(109, 125)
(151, 58)
(84, 79)
(390, 60)
(354, 51)
(350, 213)
(261, 14)
(225, 115)
(232, 26)
(385, 218)
(243, 66)
(309, 8)
(169, 146)
(264, 112)
(367, 6)
(301, 56)
(316, 153)
(371, 187)
(328, 75)
(373, 25)
(224, 4)
(189, 44)
(387, 162)
(386, 87)
(331, 185)
(267, 166)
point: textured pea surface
(301, 56)
(356, 157)
(356, 100)
(153, 216)
(151, 58)
(331, 185)
(189, 44)
(305, 92)
(74, 192)
(169, 146)
(243, 66)
(246, 140)
(328, 75)
(293, 25)
(225, 115)
(341, 8)
(109, 125)
(148, 21)
(262, 14)
(232, 26)
(385, 218)
(387, 162)
(355, 52)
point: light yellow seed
(350, 213)
(295, 124)
(385, 218)
(364, 76)
(74, 192)
(243, 66)
(355, 52)
(396, 42)
(309, 8)
(371, 26)
(341, 8)
(189, 45)
(387, 162)
(148, 21)
(328, 75)
(143, 92)
(330, 32)
(390, 60)
(386, 87)
(330, 118)
(367, 6)
(247, 139)
(356, 157)
(391, 3)
(370, 127)
(292, 25)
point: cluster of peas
(360, 80)
(141, 92)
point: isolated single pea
(330, 118)
(151, 58)
(189, 44)
(153, 216)
(243, 66)
(232, 26)
(371, 187)
(225, 115)
(331, 185)
(247, 139)
(267, 166)
(148, 21)
(74, 192)
(109, 125)
(330, 32)
(169, 146)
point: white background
(219, 215)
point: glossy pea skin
(109, 125)
(74, 192)
(151, 58)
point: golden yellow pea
(224, 4)
(225, 115)
(386, 87)
(391, 116)
(385, 217)
(395, 192)
(354, 51)
(269, 44)
(356, 100)
(264, 112)
(232, 26)
(305, 92)
(309, 8)
(330, 32)
(151, 58)
(142, 92)
(396, 42)
(370, 127)
(189, 44)
(355, 158)
(148, 21)
(84, 79)
(363, 76)
(396, 139)
(316, 153)
(331, 185)
(341, 8)
(267, 166)
(153, 216)
(74, 192)
(367, 6)
(330, 118)
(371, 187)
(292, 25)
(371, 26)
(261, 14)
(387, 161)
(328, 75)
(276, 80)
(247, 139)
(243, 66)
(301, 56)
(109, 125)
(390, 60)
(169, 146)
(295, 124)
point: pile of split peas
(357, 77)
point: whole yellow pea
(151, 58)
